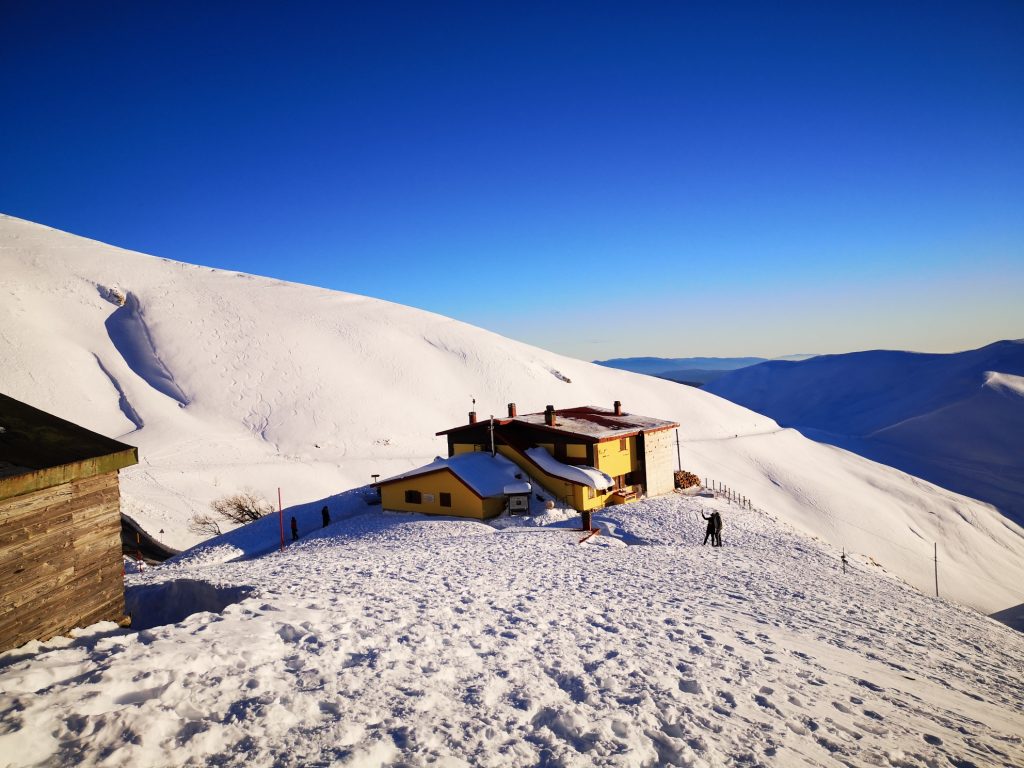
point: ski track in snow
(396, 640)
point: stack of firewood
(686, 479)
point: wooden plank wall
(60, 559)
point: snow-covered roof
(574, 473)
(486, 475)
(593, 421)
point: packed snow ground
(390, 639)
(227, 381)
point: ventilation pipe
(511, 410)
(618, 408)
(549, 415)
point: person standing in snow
(326, 515)
(295, 529)
(711, 528)
(716, 520)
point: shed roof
(486, 475)
(39, 450)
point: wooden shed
(60, 525)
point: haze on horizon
(603, 183)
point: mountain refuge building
(588, 457)
(60, 525)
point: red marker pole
(280, 513)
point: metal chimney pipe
(549, 415)
(472, 417)
(511, 410)
(618, 408)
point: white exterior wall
(660, 461)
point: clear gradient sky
(600, 179)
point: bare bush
(204, 525)
(242, 507)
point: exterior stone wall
(660, 461)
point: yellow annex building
(587, 457)
(476, 485)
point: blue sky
(598, 179)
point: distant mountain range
(695, 371)
(956, 420)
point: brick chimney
(549, 415)
(472, 417)
(511, 410)
(618, 408)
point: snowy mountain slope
(390, 639)
(245, 381)
(956, 420)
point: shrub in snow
(204, 525)
(241, 508)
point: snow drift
(225, 380)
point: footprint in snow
(764, 703)
(869, 685)
(690, 686)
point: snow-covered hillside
(388, 639)
(225, 380)
(956, 420)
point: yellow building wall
(465, 503)
(613, 461)
(609, 460)
(576, 495)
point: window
(446, 499)
(590, 493)
(413, 497)
(623, 443)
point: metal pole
(490, 428)
(280, 513)
(679, 456)
(936, 569)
